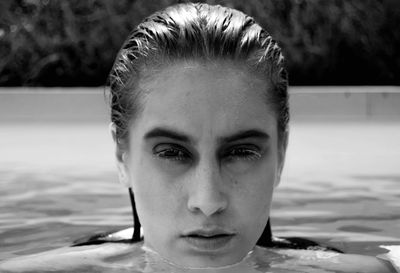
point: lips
(208, 239)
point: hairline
(153, 67)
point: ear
(281, 156)
(121, 156)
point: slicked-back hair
(199, 32)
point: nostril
(207, 203)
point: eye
(243, 152)
(172, 152)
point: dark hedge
(74, 42)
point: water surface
(58, 183)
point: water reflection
(53, 193)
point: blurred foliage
(74, 42)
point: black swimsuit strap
(136, 222)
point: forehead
(216, 96)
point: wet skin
(203, 159)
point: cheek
(254, 191)
(149, 192)
(156, 195)
(258, 207)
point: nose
(206, 193)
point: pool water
(341, 186)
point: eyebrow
(253, 133)
(168, 133)
(176, 135)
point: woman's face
(203, 160)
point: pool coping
(319, 103)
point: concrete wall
(361, 102)
(53, 104)
(307, 103)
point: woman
(200, 124)
(200, 121)
(199, 110)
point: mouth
(209, 240)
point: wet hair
(198, 32)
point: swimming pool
(341, 185)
